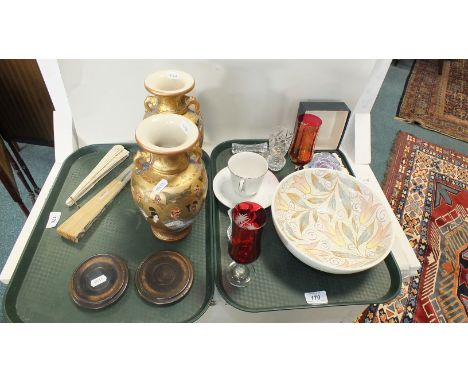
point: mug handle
(193, 101)
(241, 184)
(150, 103)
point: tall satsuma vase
(169, 90)
(168, 184)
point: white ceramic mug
(247, 172)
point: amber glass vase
(303, 143)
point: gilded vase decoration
(169, 182)
(169, 90)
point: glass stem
(276, 161)
(297, 168)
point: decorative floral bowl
(331, 221)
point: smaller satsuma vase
(169, 182)
(169, 90)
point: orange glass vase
(303, 143)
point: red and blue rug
(427, 187)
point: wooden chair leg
(14, 193)
(25, 168)
(16, 146)
(22, 178)
(23, 207)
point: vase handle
(193, 101)
(150, 103)
(143, 156)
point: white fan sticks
(78, 223)
(115, 156)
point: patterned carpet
(427, 187)
(436, 101)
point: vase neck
(171, 104)
(169, 164)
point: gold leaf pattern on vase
(169, 190)
(331, 221)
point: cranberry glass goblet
(248, 220)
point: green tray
(38, 291)
(280, 278)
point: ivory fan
(115, 156)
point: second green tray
(280, 279)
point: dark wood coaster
(164, 278)
(99, 281)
